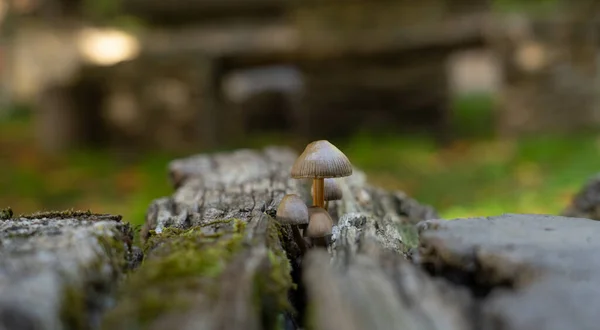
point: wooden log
(58, 269)
(216, 259)
(366, 282)
(222, 213)
(213, 254)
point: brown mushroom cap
(321, 159)
(292, 210)
(333, 192)
(320, 223)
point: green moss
(182, 262)
(410, 236)
(221, 221)
(310, 322)
(154, 240)
(272, 284)
(115, 249)
(69, 214)
(280, 274)
(6, 213)
(73, 308)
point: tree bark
(247, 185)
(58, 269)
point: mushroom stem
(315, 194)
(320, 191)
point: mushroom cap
(292, 210)
(333, 192)
(321, 159)
(320, 223)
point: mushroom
(332, 191)
(319, 227)
(321, 160)
(292, 211)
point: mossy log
(216, 259)
(58, 269)
(213, 253)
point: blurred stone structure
(360, 64)
(549, 59)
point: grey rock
(542, 272)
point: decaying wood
(507, 272)
(529, 271)
(57, 269)
(369, 247)
(366, 281)
(248, 289)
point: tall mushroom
(319, 226)
(321, 160)
(293, 211)
(332, 191)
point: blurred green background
(473, 176)
(475, 107)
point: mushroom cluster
(322, 162)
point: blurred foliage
(473, 116)
(110, 12)
(86, 179)
(531, 175)
(471, 177)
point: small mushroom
(292, 211)
(321, 160)
(319, 227)
(332, 191)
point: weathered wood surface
(247, 185)
(528, 271)
(213, 247)
(366, 281)
(507, 272)
(58, 269)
